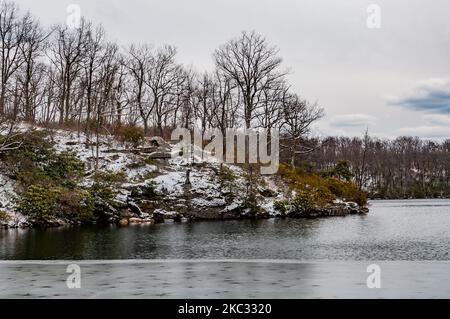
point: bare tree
(94, 56)
(162, 75)
(33, 69)
(138, 64)
(204, 106)
(7, 134)
(105, 86)
(67, 54)
(253, 65)
(186, 97)
(11, 38)
(270, 114)
(298, 115)
(121, 94)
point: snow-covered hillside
(159, 185)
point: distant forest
(77, 78)
(406, 167)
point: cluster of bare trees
(401, 168)
(76, 76)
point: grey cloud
(431, 132)
(432, 95)
(352, 120)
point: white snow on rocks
(170, 183)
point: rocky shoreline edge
(154, 184)
(131, 215)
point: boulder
(158, 141)
(267, 192)
(161, 216)
(135, 220)
(139, 221)
(134, 208)
(105, 212)
(160, 155)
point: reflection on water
(394, 230)
(328, 258)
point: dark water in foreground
(409, 241)
(393, 230)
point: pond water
(393, 230)
(408, 239)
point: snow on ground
(169, 176)
(6, 205)
(170, 183)
(108, 160)
(214, 202)
(7, 190)
(195, 155)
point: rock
(135, 208)
(160, 155)
(160, 216)
(158, 141)
(124, 222)
(126, 213)
(231, 215)
(337, 208)
(24, 225)
(135, 220)
(267, 192)
(105, 211)
(364, 210)
(149, 221)
(352, 204)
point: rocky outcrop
(160, 155)
(160, 189)
(337, 209)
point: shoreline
(332, 212)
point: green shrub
(150, 161)
(319, 189)
(4, 216)
(226, 174)
(64, 168)
(132, 135)
(144, 192)
(306, 201)
(77, 205)
(280, 206)
(109, 177)
(149, 191)
(38, 203)
(32, 153)
(341, 171)
(347, 190)
(41, 204)
(105, 184)
(47, 185)
(103, 191)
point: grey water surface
(312, 258)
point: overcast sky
(395, 79)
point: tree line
(76, 76)
(405, 167)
